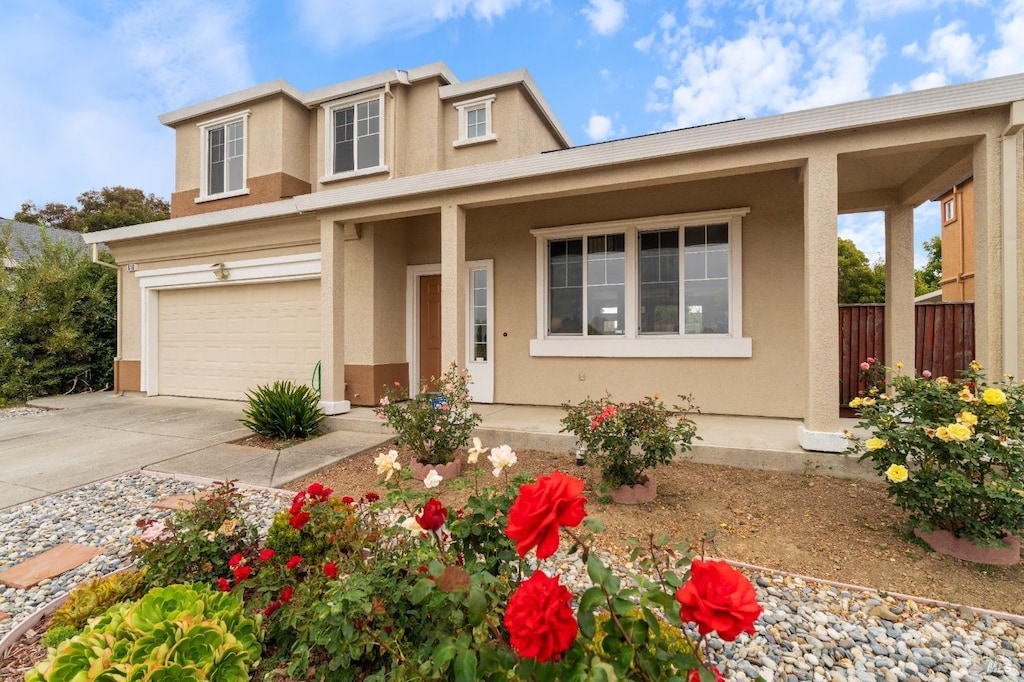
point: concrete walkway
(89, 437)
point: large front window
(355, 137)
(644, 286)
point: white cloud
(1009, 56)
(605, 16)
(365, 22)
(867, 231)
(644, 44)
(737, 78)
(81, 113)
(661, 83)
(932, 79)
(598, 128)
(843, 66)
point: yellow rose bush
(951, 452)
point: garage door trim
(252, 271)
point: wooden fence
(944, 341)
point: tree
(859, 280)
(929, 276)
(58, 321)
(98, 210)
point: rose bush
(627, 439)
(952, 452)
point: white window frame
(464, 108)
(204, 155)
(632, 344)
(329, 108)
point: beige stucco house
(387, 226)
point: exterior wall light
(219, 271)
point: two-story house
(379, 229)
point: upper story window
(949, 210)
(355, 136)
(654, 287)
(223, 157)
(475, 121)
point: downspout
(403, 78)
(1011, 225)
(97, 261)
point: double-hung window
(355, 136)
(475, 121)
(659, 287)
(222, 154)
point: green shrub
(435, 423)
(177, 632)
(194, 544)
(625, 439)
(283, 410)
(58, 321)
(95, 596)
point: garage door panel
(216, 342)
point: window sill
(376, 170)
(223, 195)
(470, 141)
(713, 347)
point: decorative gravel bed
(808, 631)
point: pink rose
(865, 366)
(926, 374)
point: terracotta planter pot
(944, 542)
(446, 471)
(636, 494)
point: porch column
(988, 264)
(899, 288)
(453, 285)
(332, 318)
(1013, 239)
(820, 429)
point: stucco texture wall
(770, 383)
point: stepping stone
(49, 564)
(4, 616)
(180, 501)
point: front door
(430, 328)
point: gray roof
(30, 235)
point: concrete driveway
(89, 437)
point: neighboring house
(956, 206)
(389, 225)
(28, 236)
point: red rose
(348, 499)
(267, 554)
(242, 572)
(331, 570)
(294, 561)
(718, 598)
(299, 520)
(433, 515)
(271, 607)
(223, 585)
(372, 497)
(235, 560)
(694, 675)
(541, 509)
(318, 492)
(539, 619)
(286, 594)
(297, 502)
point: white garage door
(216, 342)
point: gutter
(95, 250)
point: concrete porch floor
(745, 442)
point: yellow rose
(855, 402)
(959, 431)
(942, 381)
(899, 365)
(966, 395)
(968, 418)
(897, 473)
(993, 396)
(875, 443)
(942, 433)
(867, 402)
(975, 365)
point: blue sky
(86, 79)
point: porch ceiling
(878, 179)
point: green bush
(177, 632)
(194, 544)
(435, 423)
(58, 321)
(283, 410)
